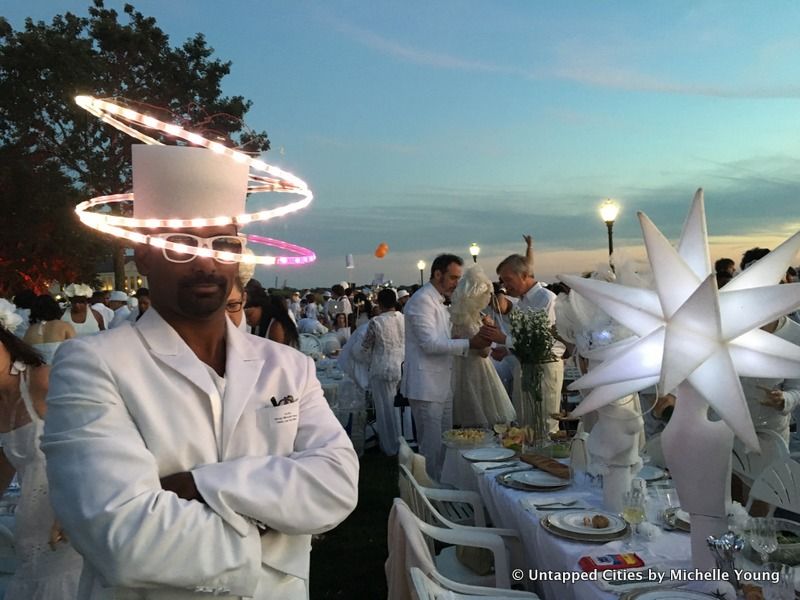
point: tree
(43, 67)
(42, 237)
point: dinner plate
(583, 537)
(503, 479)
(673, 519)
(572, 521)
(536, 478)
(651, 473)
(488, 454)
(666, 594)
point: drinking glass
(763, 536)
(634, 513)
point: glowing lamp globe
(609, 211)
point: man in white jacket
(429, 353)
(185, 457)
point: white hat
(117, 296)
(326, 294)
(9, 318)
(402, 294)
(180, 182)
(78, 289)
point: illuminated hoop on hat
(274, 180)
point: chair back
(418, 502)
(309, 344)
(408, 548)
(779, 486)
(749, 465)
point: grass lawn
(348, 561)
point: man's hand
(56, 535)
(478, 341)
(499, 353)
(492, 333)
(183, 485)
(528, 240)
(774, 399)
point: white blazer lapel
(167, 346)
(242, 370)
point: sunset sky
(431, 125)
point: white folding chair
(779, 486)
(424, 503)
(749, 465)
(417, 548)
(415, 463)
(435, 586)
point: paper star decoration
(689, 331)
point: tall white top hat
(180, 182)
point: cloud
(578, 64)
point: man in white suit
(185, 457)
(516, 274)
(429, 358)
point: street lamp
(474, 250)
(421, 267)
(608, 212)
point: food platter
(467, 438)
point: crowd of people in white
(444, 348)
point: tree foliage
(44, 66)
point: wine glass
(634, 513)
(763, 537)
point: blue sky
(431, 125)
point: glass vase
(533, 408)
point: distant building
(133, 279)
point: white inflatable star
(689, 331)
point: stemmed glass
(763, 536)
(634, 513)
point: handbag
(400, 401)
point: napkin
(547, 464)
(496, 466)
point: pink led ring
(275, 180)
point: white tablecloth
(547, 553)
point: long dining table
(551, 562)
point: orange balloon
(381, 250)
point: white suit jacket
(132, 405)
(429, 349)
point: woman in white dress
(479, 397)
(48, 567)
(47, 330)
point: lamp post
(608, 212)
(421, 267)
(474, 250)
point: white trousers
(386, 418)
(432, 420)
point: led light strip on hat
(275, 180)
